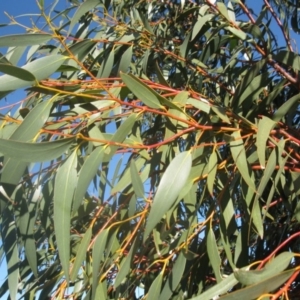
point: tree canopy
(154, 152)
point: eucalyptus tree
(153, 152)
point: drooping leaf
(125, 265)
(172, 181)
(239, 156)
(289, 58)
(107, 65)
(86, 174)
(200, 23)
(136, 180)
(285, 108)
(275, 267)
(82, 9)
(213, 254)
(174, 277)
(81, 252)
(34, 152)
(65, 184)
(125, 61)
(155, 287)
(15, 40)
(145, 93)
(40, 68)
(14, 168)
(9, 238)
(265, 125)
(16, 72)
(262, 287)
(225, 285)
(212, 171)
(98, 254)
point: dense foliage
(155, 153)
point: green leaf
(203, 105)
(219, 289)
(174, 278)
(9, 237)
(107, 65)
(136, 180)
(172, 182)
(15, 40)
(81, 252)
(289, 58)
(125, 179)
(213, 254)
(231, 13)
(223, 10)
(262, 287)
(146, 94)
(142, 91)
(97, 255)
(247, 79)
(34, 152)
(275, 267)
(121, 134)
(237, 32)
(40, 68)
(265, 125)
(286, 107)
(221, 113)
(212, 171)
(200, 23)
(125, 265)
(125, 61)
(239, 156)
(14, 168)
(86, 174)
(16, 72)
(154, 290)
(82, 9)
(65, 184)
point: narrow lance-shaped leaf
(212, 171)
(276, 266)
(82, 251)
(14, 168)
(65, 183)
(172, 181)
(15, 40)
(239, 156)
(9, 238)
(107, 65)
(221, 288)
(262, 287)
(35, 152)
(98, 254)
(125, 265)
(256, 211)
(265, 125)
(125, 61)
(83, 8)
(121, 134)
(16, 72)
(146, 94)
(213, 254)
(155, 287)
(286, 107)
(40, 68)
(86, 174)
(136, 180)
(174, 277)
